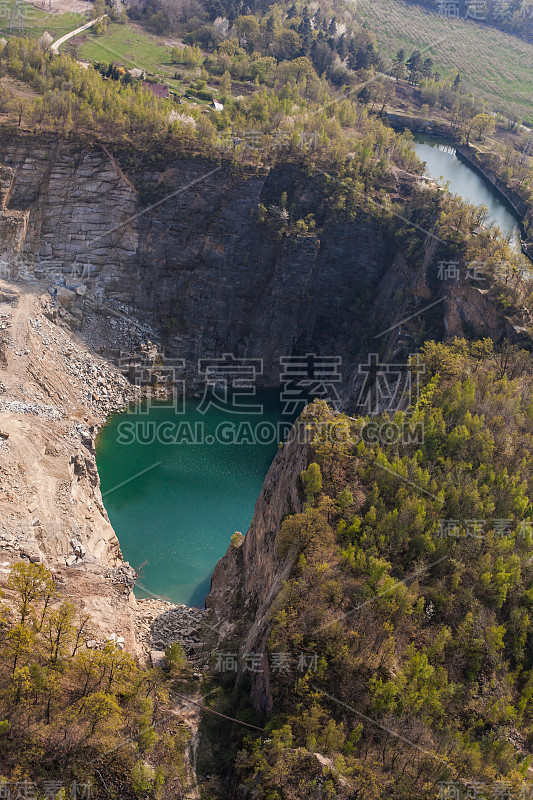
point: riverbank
(470, 155)
(475, 158)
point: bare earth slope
(49, 485)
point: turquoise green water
(175, 504)
(443, 165)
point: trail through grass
(131, 46)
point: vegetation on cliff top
(73, 717)
(411, 582)
(497, 66)
(297, 115)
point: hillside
(387, 595)
(155, 281)
(501, 71)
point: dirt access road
(54, 47)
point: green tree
(20, 644)
(302, 531)
(31, 583)
(60, 631)
(175, 658)
(225, 84)
(312, 480)
(100, 707)
(247, 28)
(398, 65)
(287, 45)
(414, 67)
(483, 125)
(427, 68)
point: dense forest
(71, 99)
(411, 583)
(275, 31)
(75, 721)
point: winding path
(54, 47)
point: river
(443, 166)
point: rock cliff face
(183, 244)
(13, 224)
(248, 578)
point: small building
(217, 106)
(159, 89)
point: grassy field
(499, 66)
(131, 46)
(38, 20)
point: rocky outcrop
(468, 308)
(185, 246)
(250, 575)
(6, 182)
(13, 224)
(419, 125)
(54, 395)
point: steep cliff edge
(53, 396)
(248, 578)
(183, 244)
(195, 250)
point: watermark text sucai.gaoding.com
(30, 790)
(183, 432)
(229, 383)
(264, 432)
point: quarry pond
(177, 486)
(442, 164)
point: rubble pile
(5, 324)
(113, 638)
(49, 492)
(38, 410)
(106, 389)
(23, 544)
(160, 623)
(124, 575)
